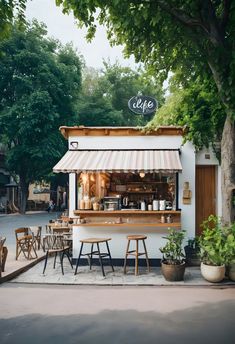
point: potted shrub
(192, 252)
(213, 250)
(230, 251)
(173, 264)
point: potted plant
(230, 251)
(173, 264)
(192, 252)
(213, 250)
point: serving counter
(120, 223)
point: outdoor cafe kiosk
(124, 180)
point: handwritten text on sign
(142, 105)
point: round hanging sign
(142, 105)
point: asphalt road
(116, 315)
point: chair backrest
(22, 231)
(61, 230)
(2, 241)
(55, 241)
(36, 231)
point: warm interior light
(141, 174)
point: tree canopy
(10, 10)
(195, 37)
(105, 95)
(196, 106)
(40, 81)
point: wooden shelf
(141, 192)
(155, 224)
(126, 211)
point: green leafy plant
(217, 244)
(193, 243)
(172, 251)
(229, 232)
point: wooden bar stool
(92, 253)
(136, 252)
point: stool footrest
(134, 253)
(95, 253)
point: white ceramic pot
(231, 272)
(213, 273)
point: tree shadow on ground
(207, 323)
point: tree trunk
(228, 171)
(24, 192)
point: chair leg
(125, 261)
(4, 257)
(136, 258)
(68, 256)
(17, 255)
(146, 254)
(91, 256)
(55, 260)
(45, 264)
(100, 259)
(110, 258)
(80, 253)
(61, 262)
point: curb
(20, 270)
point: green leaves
(172, 251)
(217, 243)
(40, 82)
(106, 94)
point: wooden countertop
(149, 224)
(126, 211)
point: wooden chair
(3, 255)
(56, 245)
(25, 243)
(37, 232)
(60, 230)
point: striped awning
(119, 161)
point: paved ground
(85, 276)
(34, 313)
(116, 315)
(8, 223)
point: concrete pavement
(8, 224)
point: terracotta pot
(213, 273)
(173, 272)
(231, 272)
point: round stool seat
(136, 237)
(92, 252)
(94, 240)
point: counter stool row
(97, 241)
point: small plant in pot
(192, 252)
(173, 264)
(213, 250)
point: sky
(64, 28)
